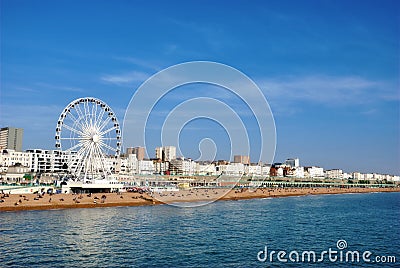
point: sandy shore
(64, 201)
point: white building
(50, 161)
(279, 172)
(292, 162)
(253, 170)
(265, 170)
(161, 167)
(315, 172)
(146, 167)
(41, 161)
(296, 172)
(232, 169)
(347, 175)
(299, 172)
(14, 174)
(9, 158)
(182, 166)
(368, 176)
(112, 164)
(357, 176)
(131, 164)
(205, 169)
(334, 174)
(166, 153)
(392, 178)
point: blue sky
(329, 69)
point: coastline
(68, 201)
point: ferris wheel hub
(95, 138)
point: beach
(16, 202)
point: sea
(271, 232)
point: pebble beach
(16, 202)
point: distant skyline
(329, 69)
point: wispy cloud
(370, 112)
(25, 89)
(38, 87)
(42, 85)
(125, 78)
(34, 116)
(146, 64)
(331, 90)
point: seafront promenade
(16, 202)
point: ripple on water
(221, 234)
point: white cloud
(332, 90)
(140, 63)
(32, 115)
(59, 88)
(126, 78)
(26, 89)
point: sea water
(240, 233)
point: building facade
(243, 159)
(293, 162)
(9, 158)
(11, 138)
(232, 169)
(334, 174)
(166, 153)
(182, 166)
(146, 167)
(253, 170)
(51, 161)
(205, 168)
(314, 172)
(138, 151)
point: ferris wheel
(88, 131)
